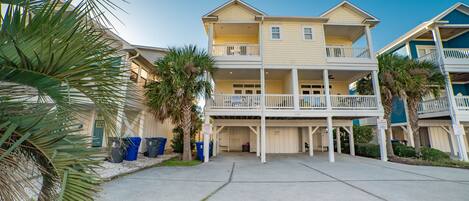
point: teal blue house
(443, 40)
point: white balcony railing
(462, 102)
(432, 106)
(279, 101)
(313, 102)
(353, 102)
(456, 53)
(347, 52)
(430, 57)
(287, 102)
(235, 101)
(236, 50)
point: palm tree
(53, 61)
(391, 71)
(422, 78)
(182, 79)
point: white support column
(263, 138)
(325, 77)
(258, 141)
(296, 90)
(382, 142)
(337, 137)
(351, 142)
(141, 127)
(376, 90)
(456, 124)
(310, 141)
(369, 40)
(263, 129)
(215, 140)
(206, 139)
(331, 139)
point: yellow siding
(292, 49)
(227, 39)
(234, 13)
(344, 15)
(338, 41)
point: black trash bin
(153, 145)
(117, 150)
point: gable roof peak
(353, 7)
(231, 2)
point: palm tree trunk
(186, 130)
(413, 120)
(387, 105)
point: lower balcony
(439, 107)
(278, 103)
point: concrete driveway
(240, 176)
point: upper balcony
(235, 42)
(347, 44)
(455, 48)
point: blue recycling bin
(161, 144)
(133, 143)
(200, 150)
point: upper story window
(275, 32)
(308, 33)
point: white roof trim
(232, 2)
(368, 15)
(404, 38)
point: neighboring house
(134, 120)
(282, 82)
(445, 41)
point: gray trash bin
(117, 150)
(152, 147)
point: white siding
(282, 140)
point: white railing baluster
(279, 101)
(347, 52)
(434, 105)
(353, 102)
(235, 50)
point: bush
(402, 150)
(362, 134)
(367, 150)
(431, 154)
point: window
(275, 32)
(307, 33)
(247, 88)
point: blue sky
(164, 23)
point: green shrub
(362, 134)
(367, 150)
(431, 154)
(402, 150)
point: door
(98, 131)
(283, 140)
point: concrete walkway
(291, 177)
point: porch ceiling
(249, 74)
(459, 77)
(446, 33)
(238, 29)
(341, 31)
(333, 75)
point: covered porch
(281, 136)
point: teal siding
(413, 47)
(398, 111)
(456, 17)
(461, 41)
(461, 88)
